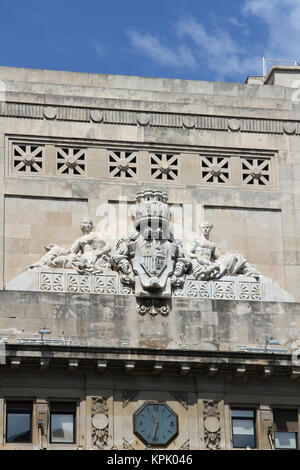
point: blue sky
(222, 40)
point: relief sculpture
(148, 263)
(150, 259)
(209, 263)
(88, 254)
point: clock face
(155, 424)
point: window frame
(287, 408)
(6, 411)
(254, 420)
(75, 419)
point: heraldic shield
(154, 264)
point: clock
(155, 424)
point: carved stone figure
(55, 257)
(90, 251)
(151, 259)
(88, 254)
(209, 263)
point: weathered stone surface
(102, 320)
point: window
(28, 158)
(62, 422)
(122, 164)
(164, 166)
(18, 421)
(243, 428)
(286, 427)
(70, 161)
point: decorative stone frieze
(155, 119)
(228, 288)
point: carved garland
(100, 427)
(212, 425)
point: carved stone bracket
(153, 306)
(212, 425)
(181, 397)
(100, 425)
(128, 396)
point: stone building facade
(125, 323)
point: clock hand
(154, 430)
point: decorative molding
(99, 422)
(164, 166)
(189, 122)
(256, 171)
(234, 124)
(289, 127)
(215, 169)
(68, 280)
(96, 115)
(28, 159)
(49, 157)
(154, 119)
(212, 425)
(143, 119)
(70, 161)
(122, 164)
(50, 112)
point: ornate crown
(151, 208)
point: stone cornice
(232, 362)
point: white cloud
(99, 47)
(223, 51)
(281, 19)
(152, 47)
(217, 49)
(239, 24)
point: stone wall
(111, 320)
